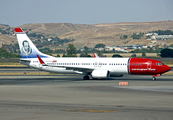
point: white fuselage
(116, 66)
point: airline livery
(94, 67)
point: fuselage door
(149, 65)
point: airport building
(161, 37)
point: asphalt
(70, 97)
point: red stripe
(54, 61)
(18, 30)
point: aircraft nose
(167, 68)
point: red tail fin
(18, 30)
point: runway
(70, 97)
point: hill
(7, 35)
(85, 35)
(108, 34)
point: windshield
(159, 63)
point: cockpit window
(159, 63)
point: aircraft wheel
(154, 78)
(86, 77)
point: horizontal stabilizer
(24, 60)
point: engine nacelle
(100, 74)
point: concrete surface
(71, 98)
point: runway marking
(100, 111)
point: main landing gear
(86, 77)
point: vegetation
(143, 54)
(163, 32)
(84, 54)
(166, 53)
(86, 48)
(13, 48)
(100, 52)
(100, 45)
(148, 37)
(155, 49)
(42, 41)
(6, 54)
(116, 55)
(124, 37)
(133, 55)
(71, 51)
(5, 30)
(137, 36)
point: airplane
(97, 68)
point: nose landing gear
(154, 76)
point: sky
(18, 12)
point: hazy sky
(19, 12)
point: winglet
(95, 55)
(41, 61)
(19, 30)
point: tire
(154, 78)
(86, 77)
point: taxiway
(70, 97)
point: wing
(83, 69)
(88, 70)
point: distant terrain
(88, 35)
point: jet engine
(100, 73)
